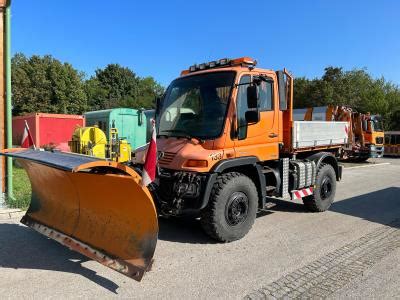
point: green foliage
(22, 189)
(355, 88)
(96, 94)
(44, 84)
(117, 86)
(149, 89)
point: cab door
(260, 139)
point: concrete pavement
(285, 241)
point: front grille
(379, 140)
(166, 158)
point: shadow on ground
(182, 230)
(187, 230)
(23, 248)
(381, 207)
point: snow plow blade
(95, 207)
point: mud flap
(92, 206)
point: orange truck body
(267, 142)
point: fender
(248, 164)
(328, 158)
(234, 162)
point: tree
(149, 90)
(119, 84)
(96, 94)
(116, 86)
(44, 84)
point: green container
(131, 123)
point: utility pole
(5, 100)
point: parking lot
(351, 250)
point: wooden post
(3, 4)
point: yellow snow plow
(93, 206)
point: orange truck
(374, 135)
(227, 144)
(365, 134)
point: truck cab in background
(374, 134)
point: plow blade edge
(92, 206)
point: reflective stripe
(302, 193)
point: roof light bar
(223, 62)
(212, 64)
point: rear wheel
(324, 191)
(232, 207)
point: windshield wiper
(186, 134)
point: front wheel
(324, 190)
(232, 208)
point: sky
(161, 38)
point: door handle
(273, 135)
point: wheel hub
(326, 188)
(237, 208)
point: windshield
(195, 106)
(376, 124)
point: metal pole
(7, 58)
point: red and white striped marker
(302, 193)
(27, 139)
(150, 163)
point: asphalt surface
(351, 251)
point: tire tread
(309, 202)
(209, 214)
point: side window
(241, 106)
(265, 93)
(365, 125)
(387, 139)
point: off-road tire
(322, 199)
(218, 219)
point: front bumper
(180, 193)
(376, 151)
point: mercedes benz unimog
(227, 144)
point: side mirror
(252, 96)
(252, 116)
(140, 117)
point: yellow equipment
(93, 141)
(89, 141)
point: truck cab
(374, 135)
(201, 106)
